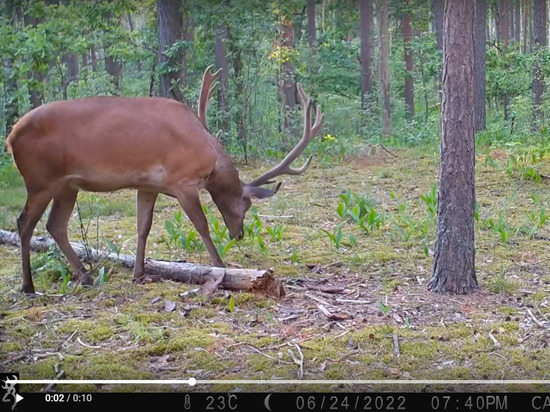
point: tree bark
(169, 31)
(93, 56)
(312, 35)
(384, 46)
(517, 20)
(438, 7)
(311, 28)
(454, 261)
(479, 61)
(286, 85)
(253, 280)
(526, 23)
(36, 77)
(223, 88)
(71, 60)
(365, 21)
(539, 44)
(408, 59)
(188, 35)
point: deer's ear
(259, 192)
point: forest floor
(345, 307)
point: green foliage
(182, 234)
(335, 236)
(51, 267)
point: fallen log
(253, 280)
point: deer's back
(105, 143)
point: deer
(154, 145)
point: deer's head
(233, 197)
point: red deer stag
(154, 145)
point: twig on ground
(538, 322)
(339, 335)
(396, 350)
(60, 375)
(299, 362)
(318, 299)
(495, 341)
(255, 349)
(88, 346)
(356, 301)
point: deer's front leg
(145, 205)
(190, 202)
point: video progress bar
(194, 382)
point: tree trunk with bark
(36, 77)
(93, 58)
(365, 21)
(438, 7)
(169, 31)
(517, 20)
(454, 261)
(223, 88)
(526, 24)
(479, 62)
(312, 35)
(539, 45)
(408, 59)
(71, 60)
(384, 46)
(287, 85)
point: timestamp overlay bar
(288, 402)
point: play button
(18, 398)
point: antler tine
(309, 133)
(207, 89)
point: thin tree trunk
(223, 89)
(93, 58)
(384, 46)
(408, 59)
(517, 20)
(365, 21)
(287, 86)
(169, 31)
(526, 23)
(188, 35)
(241, 100)
(36, 85)
(71, 60)
(479, 61)
(539, 45)
(312, 35)
(454, 261)
(438, 7)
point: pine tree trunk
(36, 85)
(479, 61)
(286, 85)
(384, 46)
(408, 59)
(169, 31)
(312, 35)
(93, 56)
(438, 7)
(526, 23)
(71, 60)
(539, 46)
(454, 261)
(517, 20)
(223, 88)
(365, 21)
